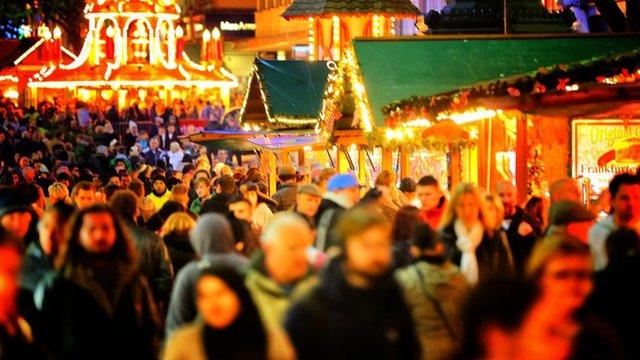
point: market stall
(516, 100)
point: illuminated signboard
(603, 148)
(233, 25)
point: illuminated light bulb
(215, 34)
(409, 133)
(179, 32)
(307, 148)
(57, 33)
(399, 134)
(473, 133)
(390, 134)
(206, 35)
(110, 31)
(47, 34)
(256, 128)
(246, 127)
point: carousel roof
(328, 8)
(132, 6)
(132, 75)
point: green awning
(293, 91)
(393, 70)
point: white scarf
(467, 242)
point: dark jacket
(75, 323)
(493, 254)
(35, 264)
(180, 250)
(219, 203)
(286, 196)
(153, 261)
(521, 246)
(327, 217)
(338, 321)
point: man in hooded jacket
(212, 239)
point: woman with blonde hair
(470, 238)
(58, 192)
(175, 234)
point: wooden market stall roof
(328, 8)
(285, 94)
(397, 69)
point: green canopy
(293, 91)
(393, 70)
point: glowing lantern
(57, 33)
(11, 94)
(179, 32)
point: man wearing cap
(286, 195)
(159, 192)
(570, 218)
(308, 200)
(343, 192)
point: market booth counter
(531, 114)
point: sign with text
(233, 25)
(603, 148)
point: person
(41, 256)
(432, 200)
(175, 235)
(153, 154)
(387, 179)
(16, 340)
(286, 195)
(357, 303)
(323, 179)
(379, 199)
(408, 189)
(402, 230)
(180, 194)
(17, 216)
(58, 192)
(434, 290)
(561, 267)
(261, 214)
(565, 189)
(537, 210)
(471, 243)
(625, 201)
(159, 193)
(241, 208)
(571, 218)
(308, 200)
(213, 241)
(175, 156)
(518, 226)
(83, 195)
(280, 270)
(153, 256)
(343, 192)
(231, 327)
(97, 305)
(203, 193)
(225, 188)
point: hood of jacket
(212, 235)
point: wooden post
(521, 157)
(482, 152)
(362, 166)
(271, 161)
(301, 159)
(404, 163)
(285, 159)
(455, 169)
(343, 163)
(387, 159)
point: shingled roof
(328, 8)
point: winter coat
(598, 239)
(213, 241)
(433, 216)
(338, 321)
(446, 284)
(180, 250)
(286, 196)
(493, 253)
(159, 201)
(187, 344)
(153, 261)
(521, 246)
(78, 321)
(272, 299)
(35, 264)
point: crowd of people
(107, 252)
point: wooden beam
(271, 159)
(387, 159)
(301, 158)
(404, 163)
(362, 166)
(521, 157)
(455, 169)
